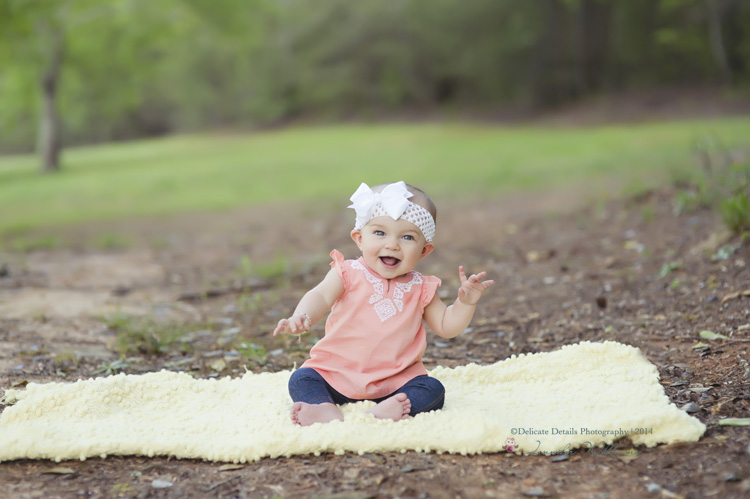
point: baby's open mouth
(389, 261)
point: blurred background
(236, 76)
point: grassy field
(219, 171)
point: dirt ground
(567, 270)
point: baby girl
(374, 336)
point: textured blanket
(583, 396)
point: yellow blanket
(582, 396)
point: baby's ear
(357, 237)
(427, 249)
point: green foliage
(668, 268)
(724, 253)
(647, 213)
(143, 335)
(135, 68)
(250, 303)
(267, 270)
(685, 201)
(253, 353)
(735, 206)
(725, 185)
(114, 367)
(112, 242)
(27, 244)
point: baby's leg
(425, 394)
(396, 408)
(313, 402)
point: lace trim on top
(385, 307)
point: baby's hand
(471, 289)
(296, 324)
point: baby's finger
(294, 325)
(461, 274)
(280, 327)
(477, 277)
(300, 323)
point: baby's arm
(313, 306)
(450, 321)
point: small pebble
(161, 484)
(653, 488)
(534, 492)
(691, 407)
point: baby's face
(391, 247)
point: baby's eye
(379, 233)
(409, 237)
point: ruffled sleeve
(342, 269)
(429, 288)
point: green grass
(219, 171)
(144, 335)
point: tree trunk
(50, 144)
(716, 9)
(544, 77)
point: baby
(374, 336)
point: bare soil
(628, 270)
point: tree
(22, 22)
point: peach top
(374, 337)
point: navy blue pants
(306, 385)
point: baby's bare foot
(305, 414)
(395, 408)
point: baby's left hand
(471, 288)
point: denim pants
(306, 385)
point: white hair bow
(394, 198)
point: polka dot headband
(392, 201)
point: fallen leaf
(718, 406)
(634, 245)
(351, 473)
(626, 458)
(710, 335)
(230, 467)
(735, 295)
(59, 470)
(712, 242)
(533, 256)
(735, 422)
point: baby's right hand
(296, 324)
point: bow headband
(392, 201)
